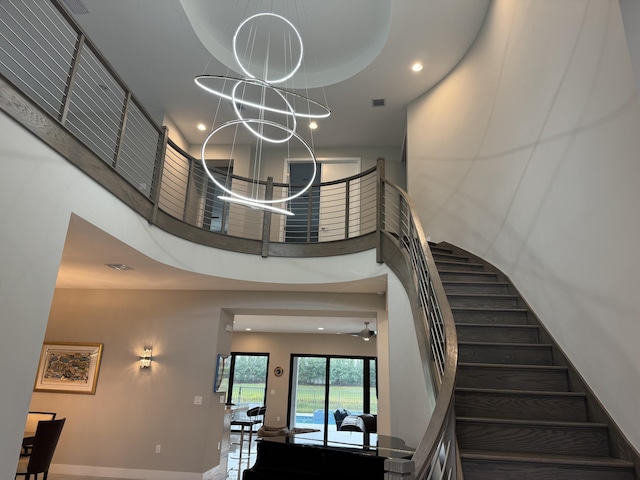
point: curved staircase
(517, 416)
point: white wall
(411, 394)
(40, 192)
(133, 409)
(527, 155)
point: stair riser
(488, 470)
(487, 317)
(481, 301)
(456, 276)
(445, 251)
(521, 406)
(447, 257)
(459, 266)
(532, 438)
(513, 355)
(496, 334)
(512, 379)
(477, 288)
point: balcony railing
(54, 81)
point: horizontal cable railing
(328, 211)
(45, 54)
(436, 456)
(47, 57)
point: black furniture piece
(344, 456)
(339, 415)
(364, 422)
(44, 445)
(30, 429)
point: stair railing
(403, 246)
(45, 55)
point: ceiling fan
(365, 333)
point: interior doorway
(319, 213)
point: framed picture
(68, 368)
(221, 383)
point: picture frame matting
(68, 367)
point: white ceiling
(156, 50)
(88, 250)
(362, 50)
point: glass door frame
(366, 383)
(233, 356)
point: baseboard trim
(135, 474)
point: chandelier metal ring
(257, 133)
(264, 122)
(245, 70)
(325, 111)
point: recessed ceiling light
(202, 127)
(313, 125)
(320, 328)
(416, 67)
(119, 266)
(247, 329)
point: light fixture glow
(251, 201)
(255, 204)
(313, 125)
(320, 328)
(245, 70)
(145, 357)
(202, 127)
(322, 110)
(219, 85)
(248, 329)
(417, 67)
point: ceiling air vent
(119, 266)
(378, 102)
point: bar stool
(252, 414)
(249, 422)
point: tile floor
(233, 470)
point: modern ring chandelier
(267, 99)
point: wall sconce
(145, 357)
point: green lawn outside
(310, 397)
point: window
(248, 379)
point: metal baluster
(71, 79)
(266, 219)
(123, 126)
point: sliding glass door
(324, 386)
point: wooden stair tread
(498, 344)
(499, 325)
(545, 458)
(450, 255)
(490, 309)
(506, 366)
(478, 272)
(520, 392)
(533, 423)
(483, 295)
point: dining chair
(30, 428)
(44, 445)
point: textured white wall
(40, 191)
(527, 155)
